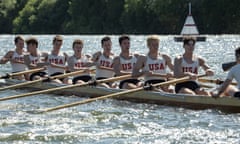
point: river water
(113, 121)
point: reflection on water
(112, 121)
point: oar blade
(227, 66)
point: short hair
(106, 38)
(123, 37)
(77, 41)
(187, 39)
(57, 38)
(18, 38)
(32, 40)
(152, 38)
(237, 52)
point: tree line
(117, 16)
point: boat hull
(225, 104)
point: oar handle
(64, 87)
(9, 75)
(40, 80)
(214, 81)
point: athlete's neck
(106, 54)
(19, 50)
(78, 56)
(55, 52)
(125, 55)
(153, 55)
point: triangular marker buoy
(189, 29)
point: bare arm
(96, 56)
(116, 66)
(7, 57)
(70, 63)
(223, 87)
(27, 62)
(169, 62)
(138, 66)
(206, 68)
(177, 69)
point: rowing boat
(226, 104)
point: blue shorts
(84, 78)
(41, 74)
(192, 85)
(133, 81)
(237, 94)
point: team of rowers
(154, 67)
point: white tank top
(58, 60)
(105, 62)
(234, 74)
(79, 63)
(17, 67)
(34, 59)
(193, 67)
(155, 65)
(127, 64)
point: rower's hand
(209, 72)
(87, 70)
(52, 64)
(193, 76)
(169, 75)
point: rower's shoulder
(165, 56)
(96, 55)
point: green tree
(42, 16)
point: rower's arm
(28, 63)
(177, 70)
(223, 87)
(206, 68)
(7, 57)
(169, 62)
(96, 56)
(137, 69)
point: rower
(104, 62)
(16, 58)
(123, 64)
(154, 65)
(33, 59)
(227, 89)
(79, 61)
(57, 60)
(188, 65)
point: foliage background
(117, 16)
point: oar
(9, 75)
(114, 94)
(65, 87)
(214, 81)
(228, 65)
(42, 79)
